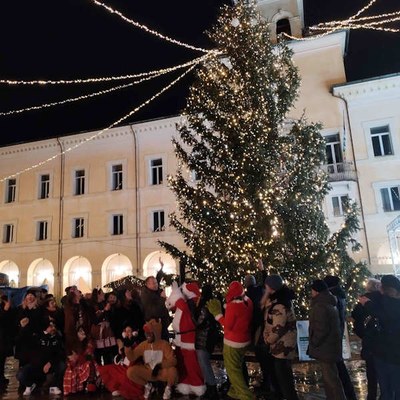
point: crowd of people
(119, 341)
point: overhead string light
(96, 135)
(78, 98)
(99, 93)
(148, 30)
(378, 22)
(107, 78)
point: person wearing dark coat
(387, 349)
(333, 283)
(153, 302)
(362, 328)
(27, 319)
(5, 337)
(206, 337)
(255, 293)
(325, 338)
(49, 362)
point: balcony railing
(344, 171)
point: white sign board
(302, 341)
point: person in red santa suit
(237, 336)
(190, 377)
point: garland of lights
(354, 22)
(73, 99)
(146, 29)
(110, 78)
(94, 136)
(99, 93)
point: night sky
(68, 39)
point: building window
(116, 177)
(41, 230)
(334, 156)
(339, 203)
(118, 224)
(8, 233)
(44, 186)
(78, 228)
(390, 198)
(156, 170)
(283, 26)
(381, 142)
(11, 188)
(158, 221)
(79, 182)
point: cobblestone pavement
(308, 382)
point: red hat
(191, 290)
(235, 290)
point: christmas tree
(249, 184)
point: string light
(99, 93)
(354, 22)
(148, 30)
(73, 99)
(107, 79)
(94, 136)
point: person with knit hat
(237, 336)
(325, 338)
(280, 333)
(387, 349)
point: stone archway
(151, 263)
(115, 267)
(11, 269)
(393, 230)
(78, 271)
(41, 272)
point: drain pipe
(60, 221)
(137, 202)
(346, 106)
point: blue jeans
(203, 357)
(388, 379)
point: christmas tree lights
(258, 187)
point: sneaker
(28, 390)
(55, 390)
(148, 390)
(115, 393)
(167, 393)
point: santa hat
(235, 290)
(191, 290)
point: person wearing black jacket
(47, 364)
(206, 338)
(5, 337)
(333, 283)
(387, 349)
(363, 328)
(153, 301)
